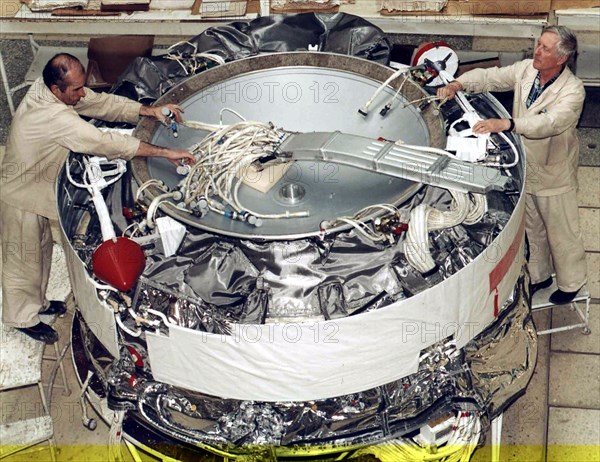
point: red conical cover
(119, 263)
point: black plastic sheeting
(146, 79)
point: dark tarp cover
(146, 79)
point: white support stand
(22, 367)
(540, 302)
(496, 438)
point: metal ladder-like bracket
(395, 160)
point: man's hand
(175, 156)
(156, 112)
(491, 126)
(179, 156)
(450, 90)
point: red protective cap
(119, 263)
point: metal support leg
(51, 441)
(7, 89)
(34, 45)
(496, 437)
(61, 368)
(10, 91)
(540, 302)
(133, 451)
(59, 365)
(586, 329)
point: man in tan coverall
(46, 126)
(547, 104)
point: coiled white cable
(424, 218)
(150, 215)
(125, 328)
(513, 149)
(151, 182)
(221, 155)
(477, 209)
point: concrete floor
(558, 419)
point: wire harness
(465, 208)
(223, 158)
(191, 61)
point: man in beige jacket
(46, 126)
(547, 104)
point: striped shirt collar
(537, 89)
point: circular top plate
(301, 92)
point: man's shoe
(560, 298)
(55, 307)
(40, 332)
(533, 288)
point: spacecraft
(341, 273)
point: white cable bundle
(358, 221)
(99, 173)
(191, 64)
(222, 157)
(225, 152)
(477, 209)
(416, 242)
(115, 433)
(459, 209)
(424, 218)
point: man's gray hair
(567, 45)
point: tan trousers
(556, 245)
(26, 260)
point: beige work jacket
(547, 127)
(43, 132)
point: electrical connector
(437, 431)
(183, 168)
(385, 109)
(170, 121)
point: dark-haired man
(46, 126)
(547, 104)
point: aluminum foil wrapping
(213, 280)
(503, 361)
(494, 367)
